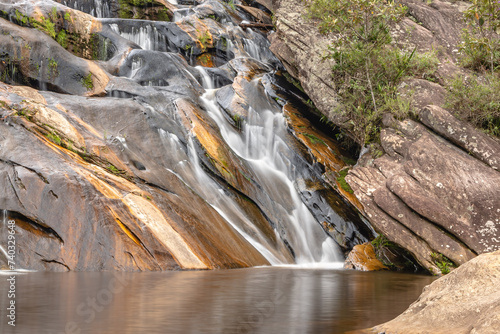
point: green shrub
(314, 140)
(368, 69)
(205, 39)
(443, 263)
(481, 44)
(62, 39)
(53, 71)
(476, 100)
(87, 81)
(53, 137)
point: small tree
(362, 73)
(481, 44)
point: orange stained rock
(99, 80)
(363, 258)
(205, 60)
(124, 227)
(322, 147)
(28, 93)
(101, 186)
(211, 143)
(198, 31)
(87, 126)
(154, 219)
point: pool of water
(255, 300)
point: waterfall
(262, 146)
(96, 8)
(147, 37)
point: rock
(422, 93)
(447, 199)
(34, 58)
(268, 4)
(362, 257)
(258, 14)
(299, 45)
(444, 19)
(480, 145)
(464, 301)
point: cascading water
(147, 36)
(261, 145)
(96, 8)
(262, 194)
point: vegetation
(381, 241)
(87, 81)
(368, 69)
(314, 140)
(343, 183)
(53, 137)
(476, 100)
(443, 263)
(61, 38)
(204, 39)
(53, 71)
(113, 169)
(481, 44)
(143, 9)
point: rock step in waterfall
(182, 146)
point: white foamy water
(147, 36)
(261, 145)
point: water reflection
(258, 300)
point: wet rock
(465, 301)
(362, 257)
(258, 14)
(143, 226)
(31, 57)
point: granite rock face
(300, 47)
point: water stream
(260, 143)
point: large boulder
(467, 301)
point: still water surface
(256, 300)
